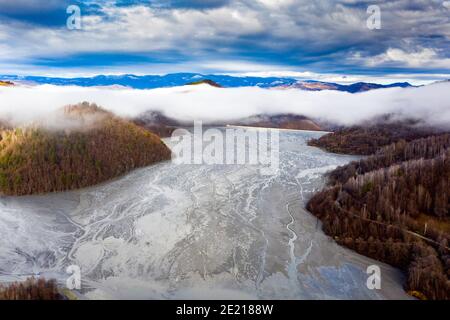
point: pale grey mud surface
(192, 231)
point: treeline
(394, 207)
(39, 160)
(398, 152)
(367, 139)
(31, 289)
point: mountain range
(179, 79)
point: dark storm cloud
(50, 13)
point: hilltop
(6, 83)
(93, 146)
(205, 81)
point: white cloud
(240, 66)
(430, 103)
(277, 4)
(421, 58)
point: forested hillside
(91, 147)
(394, 207)
(4, 83)
(31, 289)
(366, 139)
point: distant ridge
(181, 79)
(352, 88)
(162, 125)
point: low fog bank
(20, 105)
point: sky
(324, 40)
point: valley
(193, 231)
